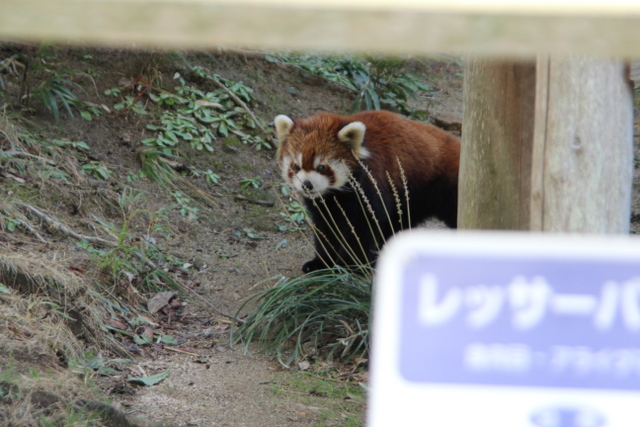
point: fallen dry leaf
(160, 300)
(115, 324)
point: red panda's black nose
(307, 185)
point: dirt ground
(210, 384)
(234, 247)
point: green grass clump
(325, 311)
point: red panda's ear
(352, 135)
(283, 126)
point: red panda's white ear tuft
(283, 126)
(353, 135)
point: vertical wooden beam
(547, 146)
(583, 162)
(497, 138)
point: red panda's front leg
(326, 244)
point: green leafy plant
(77, 145)
(190, 115)
(114, 91)
(259, 143)
(211, 177)
(294, 217)
(184, 205)
(42, 80)
(198, 120)
(131, 103)
(9, 223)
(97, 170)
(135, 176)
(54, 93)
(91, 365)
(334, 68)
(89, 111)
(283, 188)
(297, 212)
(151, 379)
(254, 182)
(252, 234)
(157, 164)
(377, 80)
(387, 81)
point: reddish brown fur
(432, 151)
(317, 136)
(424, 151)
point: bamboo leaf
(150, 380)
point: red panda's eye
(321, 168)
(296, 168)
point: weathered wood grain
(497, 138)
(418, 26)
(585, 165)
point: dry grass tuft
(62, 300)
(49, 318)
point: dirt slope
(233, 248)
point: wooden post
(547, 146)
(583, 148)
(497, 138)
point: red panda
(350, 169)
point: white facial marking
(318, 161)
(341, 172)
(319, 184)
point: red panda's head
(318, 154)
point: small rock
(230, 148)
(292, 91)
(304, 365)
(448, 121)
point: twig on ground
(16, 153)
(254, 201)
(181, 350)
(66, 230)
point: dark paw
(313, 265)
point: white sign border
(396, 401)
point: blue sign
(511, 320)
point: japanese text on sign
(527, 302)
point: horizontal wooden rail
(522, 28)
